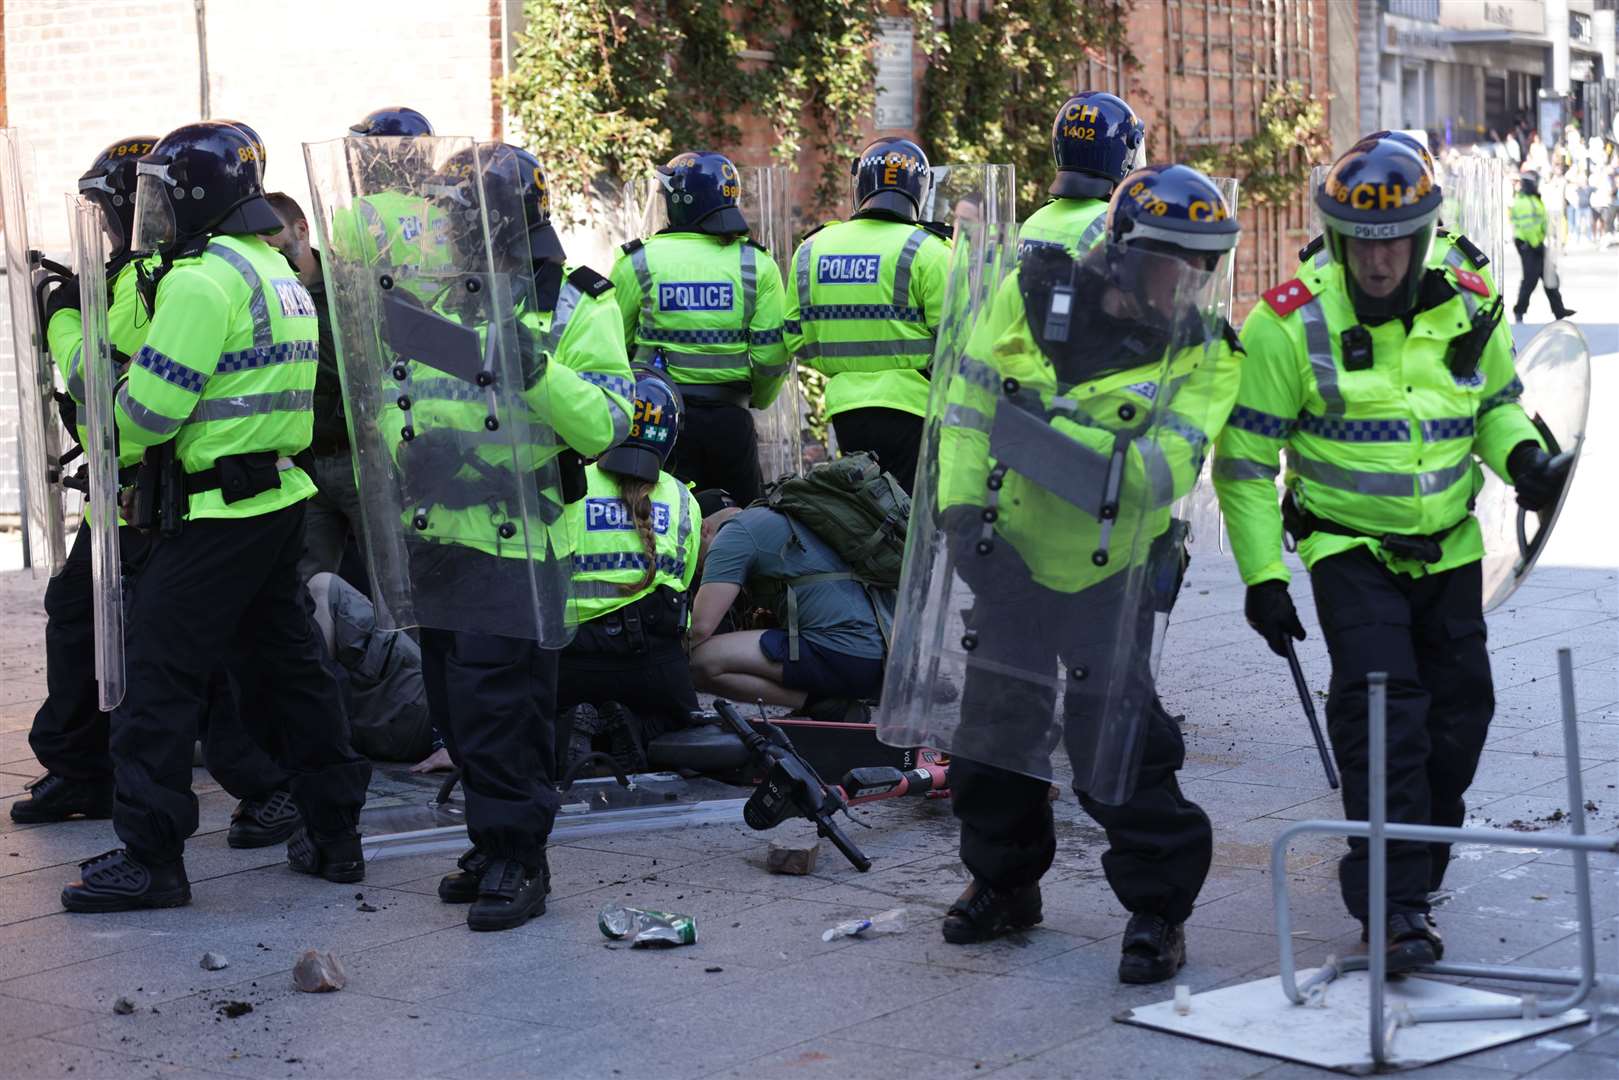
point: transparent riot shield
(42, 440)
(1225, 289)
(443, 348)
(1555, 368)
(1047, 538)
(1477, 198)
(87, 229)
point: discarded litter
(891, 921)
(123, 1006)
(319, 972)
(647, 929)
(212, 961)
(1183, 999)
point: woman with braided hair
(625, 678)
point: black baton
(1309, 714)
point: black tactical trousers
(494, 700)
(1533, 261)
(1428, 635)
(245, 763)
(226, 593)
(633, 656)
(894, 436)
(718, 448)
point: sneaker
(117, 881)
(257, 823)
(461, 886)
(56, 798)
(1154, 949)
(509, 895)
(341, 860)
(623, 730)
(1412, 941)
(982, 913)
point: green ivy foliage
(993, 85)
(1274, 162)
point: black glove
(1538, 476)
(65, 297)
(1270, 611)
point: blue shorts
(823, 672)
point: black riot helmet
(393, 120)
(514, 195)
(653, 429)
(892, 175)
(253, 137)
(1096, 140)
(700, 193)
(1405, 138)
(1380, 191)
(199, 180)
(1529, 184)
(1170, 210)
(109, 182)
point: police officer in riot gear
(1096, 141)
(865, 301)
(1089, 370)
(217, 397)
(392, 121)
(1529, 235)
(1387, 374)
(703, 301)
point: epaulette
(1288, 297)
(589, 282)
(940, 229)
(1313, 248)
(1471, 282)
(1470, 249)
(754, 243)
(817, 229)
(630, 247)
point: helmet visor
(1164, 286)
(154, 212)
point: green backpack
(858, 511)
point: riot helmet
(892, 175)
(1096, 140)
(198, 180)
(109, 182)
(514, 195)
(1529, 184)
(1380, 204)
(253, 137)
(1168, 228)
(393, 120)
(700, 192)
(654, 428)
(1405, 138)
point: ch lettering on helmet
(893, 163)
(611, 515)
(1079, 121)
(296, 303)
(694, 296)
(847, 269)
(647, 423)
(1145, 199)
(1202, 210)
(1368, 196)
(730, 189)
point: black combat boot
(1154, 949)
(509, 895)
(56, 798)
(982, 913)
(624, 744)
(117, 881)
(461, 886)
(339, 859)
(1412, 941)
(257, 823)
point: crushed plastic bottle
(647, 929)
(891, 921)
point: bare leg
(733, 666)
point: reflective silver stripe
(750, 275)
(1457, 261)
(903, 347)
(643, 275)
(965, 416)
(1160, 477)
(1397, 485)
(1323, 258)
(1319, 343)
(262, 337)
(980, 374)
(684, 532)
(1234, 468)
(770, 371)
(591, 589)
(567, 301)
(706, 362)
(75, 377)
(373, 221)
(618, 384)
(234, 408)
(803, 273)
(1092, 233)
(902, 273)
(140, 415)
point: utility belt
(80, 480)
(654, 623)
(163, 488)
(711, 394)
(1427, 548)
